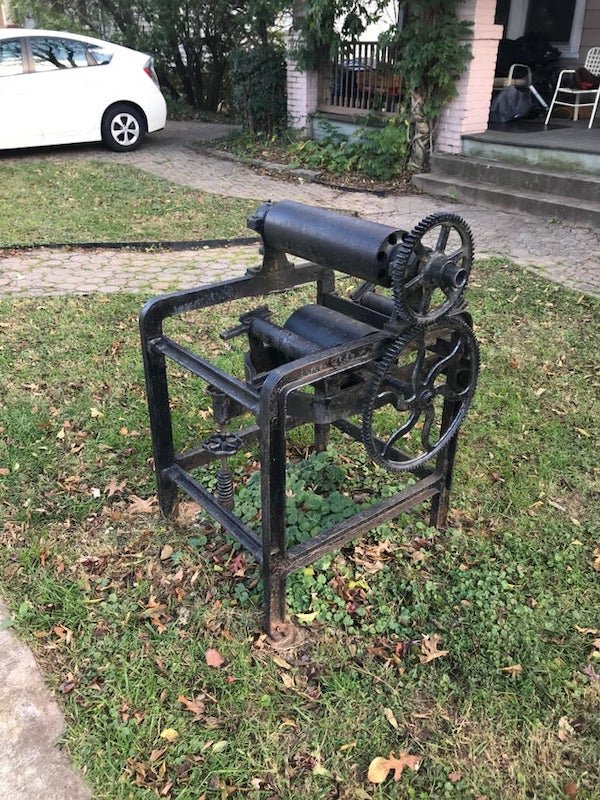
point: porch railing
(362, 78)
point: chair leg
(594, 109)
(551, 106)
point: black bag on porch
(510, 103)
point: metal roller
(355, 246)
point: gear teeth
(401, 259)
(386, 362)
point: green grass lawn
(90, 201)
(121, 607)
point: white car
(63, 88)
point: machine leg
(274, 601)
(162, 432)
(440, 503)
(273, 502)
(321, 436)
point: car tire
(123, 127)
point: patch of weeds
(379, 153)
(372, 154)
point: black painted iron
(408, 354)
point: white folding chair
(519, 75)
(566, 94)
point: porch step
(568, 197)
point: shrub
(259, 94)
(378, 153)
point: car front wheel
(123, 128)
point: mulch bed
(278, 155)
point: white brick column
(302, 89)
(469, 111)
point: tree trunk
(215, 87)
(420, 144)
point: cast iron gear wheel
(429, 375)
(428, 281)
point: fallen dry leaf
(378, 770)
(281, 662)
(188, 511)
(287, 680)
(389, 715)
(195, 706)
(213, 658)
(153, 608)
(371, 557)
(112, 487)
(166, 552)
(513, 670)
(565, 730)
(307, 619)
(429, 649)
(68, 684)
(140, 506)
(380, 767)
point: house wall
(590, 36)
(302, 89)
(469, 111)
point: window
(559, 21)
(50, 54)
(11, 62)
(101, 55)
(553, 20)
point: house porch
(523, 167)
(562, 145)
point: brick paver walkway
(564, 253)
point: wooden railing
(362, 78)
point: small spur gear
(431, 267)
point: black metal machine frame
(340, 368)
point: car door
(19, 119)
(65, 89)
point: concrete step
(554, 206)
(512, 176)
(558, 157)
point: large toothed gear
(426, 378)
(431, 267)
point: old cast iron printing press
(393, 365)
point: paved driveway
(565, 253)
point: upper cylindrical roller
(350, 244)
